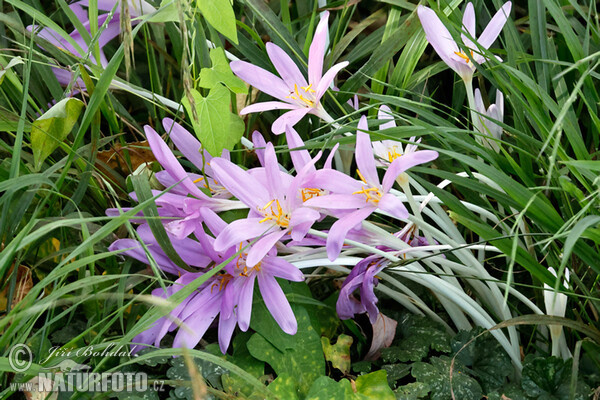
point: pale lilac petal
(438, 36)
(244, 309)
(405, 162)
(337, 201)
(273, 174)
(329, 160)
(165, 179)
(340, 228)
(281, 268)
(226, 328)
(212, 220)
(316, 53)
(136, 251)
(334, 181)
(468, 22)
(239, 231)
(277, 303)
(385, 114)
(365, 160)
(367, 296)
(168, 161)
(240, 183)
(266, 106)
(290, 118)
(262, 246)
(261, 79)
(301, 220)
(186, 143)
(479, 101)
(285, 66)
(299, 157)
(329, 76)
(392, 205)
(493, 29)
(259, 146)
(500, 104)
(198, 323)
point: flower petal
(365, 160)
(336, 201)
(186, 143)
(299, 157)
(290, 118)
(168, 161)
(240, 183)
(244, 308)
(385, 114)
(493, 29)
(329, 76)
(405, 162)
(392, 205)
(238, 231)
(468, 22)
(266, 106)
(285, 66)
(281, 268)
(316, 53)
(261, 79)
(437, 34)
(197, 323)
(226, 328)
(262, 246)
(337, 234)
(277, 303)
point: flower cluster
(282, 209)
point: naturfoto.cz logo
(70, 376)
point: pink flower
(454, 56)
(297, 94)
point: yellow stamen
(298, 96)
(462, 55)
(393, 154)
(308, 88)
(309, 193)
(362, 178)
(275, 213)
(198, 180)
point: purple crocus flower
(275, 206)
(362, 276)
(297, 94)
(244, 275)
(487, 121)
(443, 43)
(364, 196)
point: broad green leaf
(326, 388)
(373, 386)
(219, 13)
(166, 13)
(366, 387)
(412, 391)
(550, 378)
(485, 356)
(49, 130)
(285, 386)
(215, 130)
(302, 356)
(436, 375)
(339, 353)
(220, 72)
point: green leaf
(339, 353)
(437, 376)
(219, 13)
(215, 131)
(285, 387)
(49, 130)
(550, 378)
(412, 391)
(326, 388)
(166, 13)
(373, 386)
(301, 356)
(220, 72)
(485, 356)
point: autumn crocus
(360, 198)
(296, 93)
(275, 206)
(556, 305)
(449, 51)
(487, 121)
